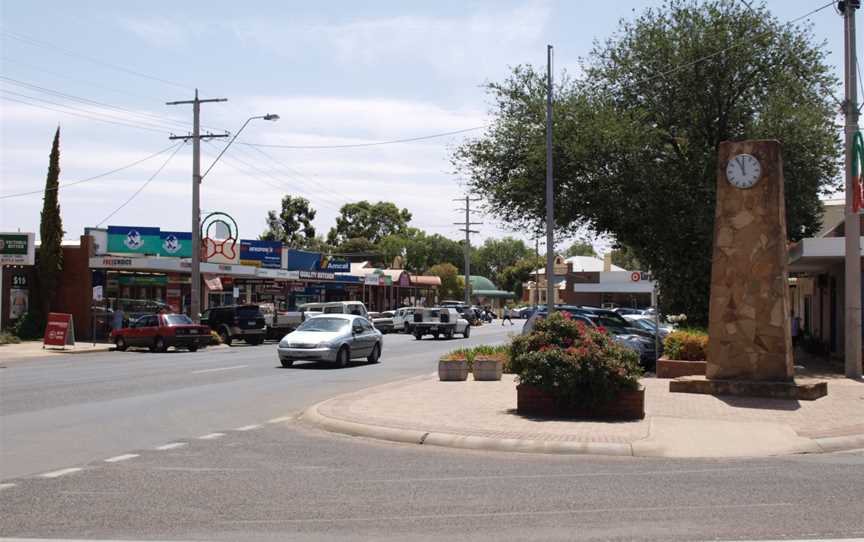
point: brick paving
(488, 409)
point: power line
(72, 113)
(45, 45)
(142, 187)
(357, 145)
(57, 93)
(93, 178)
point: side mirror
(356, 329)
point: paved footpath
(482, 415)
(34, 349)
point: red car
(160, 331)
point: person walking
(796, 330)
(506, 316)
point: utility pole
(195, 302)
(468, 231)
(550, 185)
(537, 273)
(852, 224)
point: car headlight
(325, 344)
(284, 343)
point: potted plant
(569, 369)
(684, 354)
(489, 361)
(454, 366)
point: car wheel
(120, 343)
(159, 345)
(467, 332)
(376, 353)
(225, 335)
(418, 336)
(254, 341)
(287, 363)
(193, 348)
(448, 334)
(342, 357)
(435, 335)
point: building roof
(481, 286)
(583, 264)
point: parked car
(308, 310)
(356, 308)
(440, 321)
(665, 327)
(332, 338)
(236, 322)
(641, 342)
(470, 314)
(647, 324)
(403, 318)
(159, 332)
(278, 323)
(625, 311)
(383, 321)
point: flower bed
(684, 354)
(485, 362)
(568, 369)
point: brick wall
(75, 289)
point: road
(191, 456)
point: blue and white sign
(261, 253)
(176, 243)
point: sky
(337, 73)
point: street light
(269, 116)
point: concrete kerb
(640, 448)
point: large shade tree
(292, 224)
(636, 136)
(372, 221)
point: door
(364, 340)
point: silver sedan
(332, 338)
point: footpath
(33, 349)
(482, 416)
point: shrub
(215, 338)
(8, 338)
(686, 345)
(30, 326)
(578, 364)
(470, 354)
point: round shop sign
(635, 276)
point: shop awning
(500, 294)
(425, 280)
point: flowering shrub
(578, 364)
(686, 345)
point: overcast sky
(336, 72)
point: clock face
(743, 171)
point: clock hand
(741, 165)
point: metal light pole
(550, 212)
(269, 116)
(852, 224)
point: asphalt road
(119, 437)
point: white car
(332, 338)
(403, 317)
(438, 322)
(665, 327)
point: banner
(175, 243)
(300, 260)
(17, 249)
(134, 239)
(261, 253)
(59, 330)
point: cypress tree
(50, 262)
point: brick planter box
(452, 370)
(532, 401)
(673, 368)
(488, 368)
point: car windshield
(323, 324)
(177, 319)
(645, 324)
(249, 312)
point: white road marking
(6, 486)
(211, 436)
(248, 427)
(219, 369)
(118, 458)
(171, 446)
(61, 472)
(280, 420)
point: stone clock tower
(749, 321)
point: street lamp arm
(265, 117)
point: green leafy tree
(452, 285)
(49, 265)
(359, 249)
(514, 276)
(580, 248)
(636, 136)
(494, 255)
(420, 251)
(623, 257)
(292, 224)
(369, 221)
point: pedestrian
(796, 330)
(506, 316)
(118, 318)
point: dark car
(236, 322)
(159, 332)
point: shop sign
(17, 249)
(97, 293)
(134, 239)
(214, 284)
(317, 275)
(300, 260)
(261, 253)
(59, 330)
(176, 243)
(142, 280)
(19, 299)
(326, 263)
(116, 262)
(220, 239)
(19, 281)
(177, 278)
